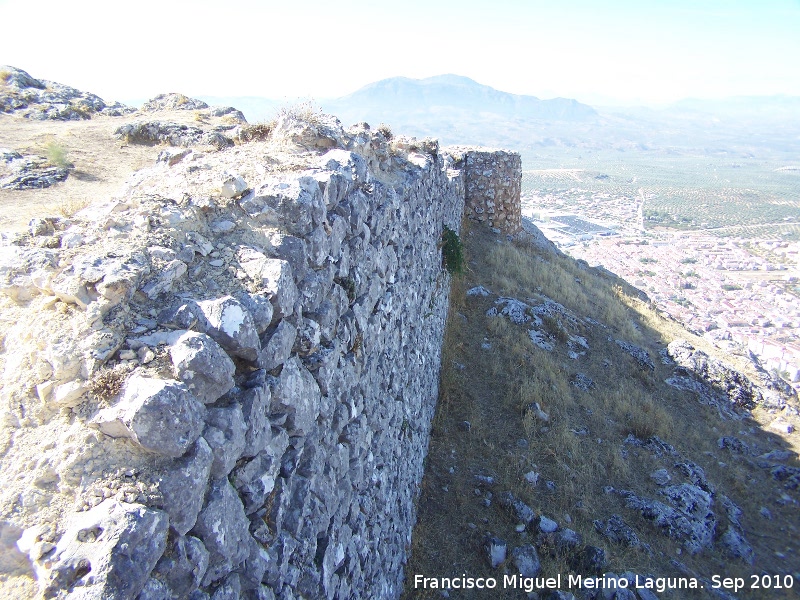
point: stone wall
(492, 180)
(231, 368)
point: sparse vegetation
(107, 383)
(57, 154)
(5, 75)
(452, 251)
(385, 131)
(257, 132)
(578, 447)
(306, 111)
(68, 208)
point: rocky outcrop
(714, 382)
(239, 363)
(37, 99)
(172, 101)
(28, 172)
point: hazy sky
(648, 51)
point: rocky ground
(578, 433)
(51, 133)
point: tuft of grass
(107, 383)
(5, 75)
(305, 111)
(57, 154)
(68, 208)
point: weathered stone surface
(26, 272)
(496, 550)
(734, 545)
(297, 391)
(231, 326)
(547, 525)
(639, 354)
(165, 132)
(225, 433)
(182, 566)
(160, 415)
(255, 479)
(29, 172)
(719, 381)
(329, 467)
(274, 278)
(259, 307)
(518, 508)
(165, 279)
(172, 101)
(526, 560)
(201, 364)
(617, 531)
(660, 476)
(515, 310)
(493, 184)
(308, 338)
(296, 203)
(229, 589)
(256, 403)
(279, 346)
(590, 560)
(688, 518)
(233, 186)
(182, 485)
(223, 528)
(106, 552)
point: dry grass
(257, 132)
(306, 111)
(580, 447)
(71, 206)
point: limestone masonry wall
(493, 182)
(221, 384)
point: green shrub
(452, 251)
(57, 154)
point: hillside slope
(557, 439)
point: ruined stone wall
(232, 369)
(493, 181)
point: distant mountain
(401, 97)
(454, 109)
(459, 110)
